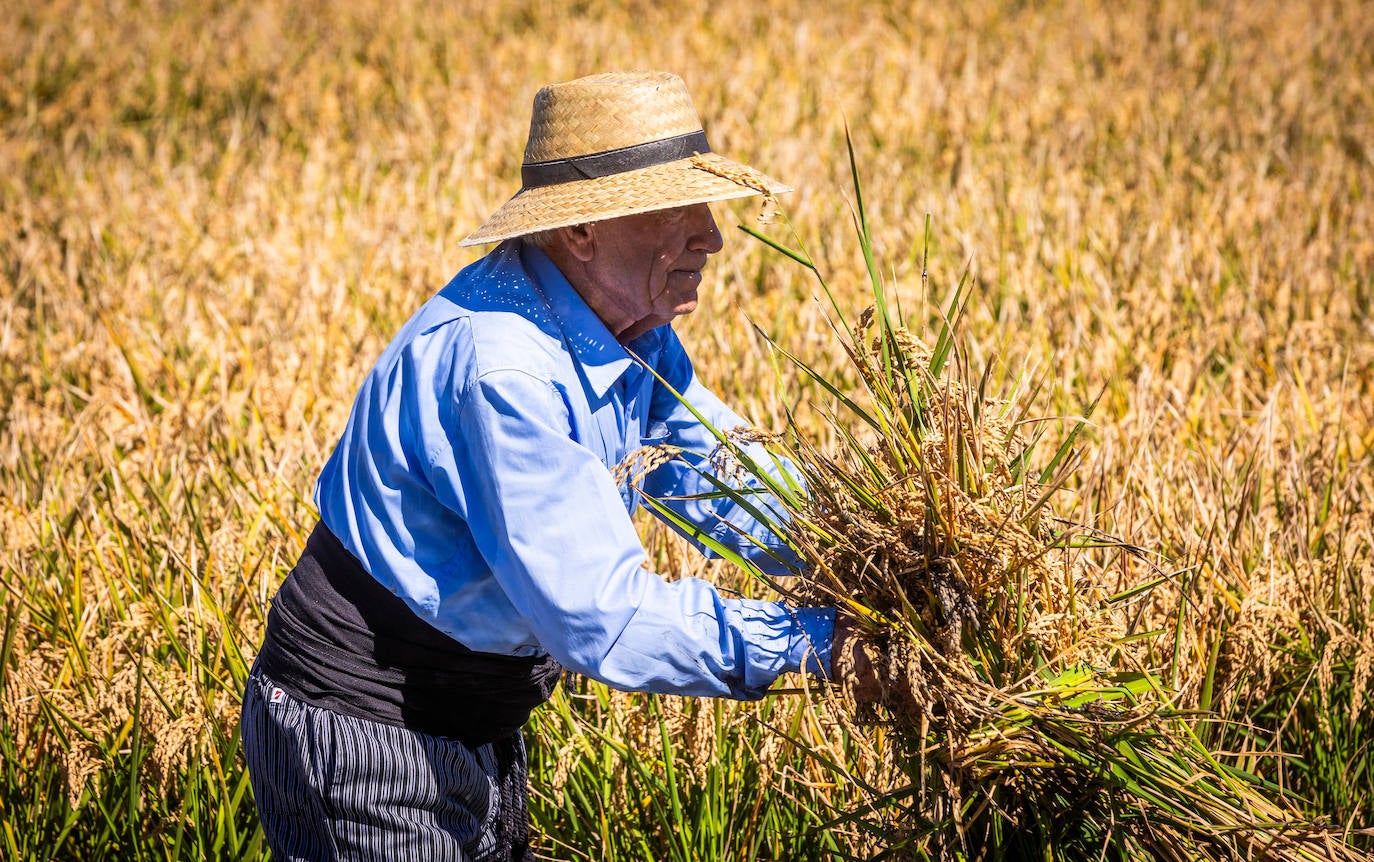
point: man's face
(647, 267)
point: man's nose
(705, 236)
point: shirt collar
(603, 359)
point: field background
(214, 215)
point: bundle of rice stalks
(1020, 718)
(1023, 723)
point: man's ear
(579, 240)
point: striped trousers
(330, 786)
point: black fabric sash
(338, 639)
(537, 174)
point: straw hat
(614, 145)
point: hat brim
(699, 179)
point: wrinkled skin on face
(639, 271)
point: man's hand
(853, 659)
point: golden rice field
(213, 216)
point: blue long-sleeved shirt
(472, 480)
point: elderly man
(472, 541)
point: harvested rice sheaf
(1023, 723)
(945, 547)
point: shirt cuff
(777, 639)
(812, 647)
